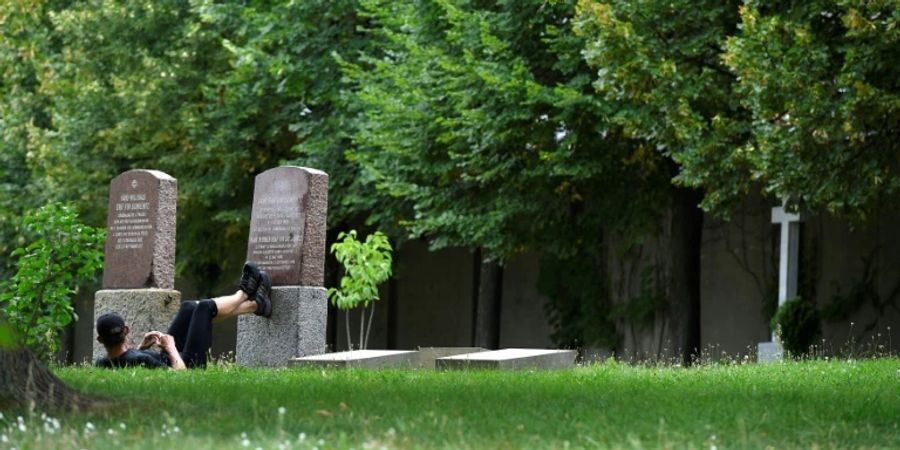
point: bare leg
(233, 305)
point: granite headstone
(139, 269)
(287, 240)
(287, 225)
(140, 241)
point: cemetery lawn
(824, 404)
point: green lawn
(825, 404)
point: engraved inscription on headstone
(287, 225)
(140, 241)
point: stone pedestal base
(769, 352)
(143, 310)
(296, 328)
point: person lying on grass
(187, 342)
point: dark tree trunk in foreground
(25, 381)
(684, 291)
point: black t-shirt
(133, 358)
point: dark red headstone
(287, 225)
(140, 240)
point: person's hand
(150, 339)
(167, 341)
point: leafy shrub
(797, 325)
(366, 265)
(62, 255)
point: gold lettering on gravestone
(131, 223)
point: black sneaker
(250, 278)
(262, 295)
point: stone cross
(788, 260)
(140, 241)
(287, 225)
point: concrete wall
(522, 319)
(434, 297)
(851, 259)
(739, 276)
(738, 271)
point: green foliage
(659, 62)
(210, 93)
(366, 265)
(822, 84)
(746, 97)
(62, 254)
(797, 325)
(7, 335)
(480, 125)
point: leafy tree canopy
(480, 121)
(798, 99)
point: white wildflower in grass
(301, 437)
(51, 425)
(245, 442)
(88, 428)
(281, 410)
(176, 430)
(110, 432)
(122, 425)
(4, 439)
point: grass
(824, 404)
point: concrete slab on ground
(428, 355)
(510, 359)
(363, 359)
(767, 352)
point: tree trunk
(684, 291)
(25, 382)
(486, 331)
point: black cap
(109, 325)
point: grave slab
(362, 359)
(767, 352)
(428, 355)
(511, 359)
(143, 310)
(296, 328)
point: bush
(797, 325)
(366, 265)
(63, 254)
